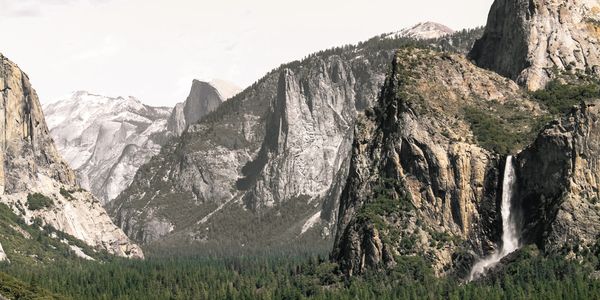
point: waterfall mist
(510, 239)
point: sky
(153, 49)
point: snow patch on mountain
(423, 31)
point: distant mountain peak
(423, 31)
(225, 88)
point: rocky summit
(204, 98)
(423, 164)
(36, 183)
(424, 31)
(534, 41)
(423, 180)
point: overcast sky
(152, 49)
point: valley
(424, 163)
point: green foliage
(389, 198)
(529, 276)
(66, 193)
(31, 244)
(559, 98)
(38, 201)
(12, 288)
(498, 133)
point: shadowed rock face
(532, 41)
(419, 181)
(559, 182)
(30, 163)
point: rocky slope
(532, 41)
(423, 181)
(35, 182)
(107, 139)
(268, 166)
(276, 148)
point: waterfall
(510, 239)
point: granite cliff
(36, 183)
(534, 41)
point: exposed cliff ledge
(421, 182)
(29, 163)
(559, 183)
(530, 40)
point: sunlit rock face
(420, 181)
(533, 41)
(106, 139)
(30, 163)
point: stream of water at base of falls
(510, 239)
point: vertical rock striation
(267, 167)
(105, 139)
(30, 163)
(559, 182)
(532, 41)
(420, 182)
(203, 99)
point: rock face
(422, 181)
(30, 163)
(106, 139)
(3, 256)
(204, 98)
(267, 167)
(278, 147)
(559, 181)
(531, 41)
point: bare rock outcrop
(422, 181)
(533, 41)
(203, 99)
(30, 164)
(559, 183)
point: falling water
(510, 240)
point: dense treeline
(529, 276)
(559, 97)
